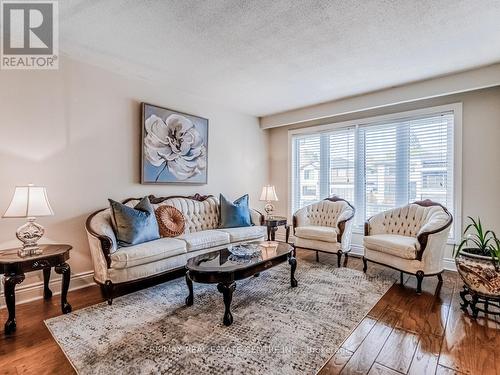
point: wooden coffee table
(225, 269)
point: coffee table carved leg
(65, 270)
(47, 293)
(293, 266)
(10, 300)
(273, 233)
(227, 290)
(287, 236)
(190, 297)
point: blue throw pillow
(134, 225)
(234, 214)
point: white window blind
(306, 170)
(341, 163)
(376, 166)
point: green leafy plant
(495, 251)
(477, 239)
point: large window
(376, 165)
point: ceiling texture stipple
(267, 56)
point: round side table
(13, 267)
(272, 223)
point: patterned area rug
(277, 329)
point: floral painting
(174, 146)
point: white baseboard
(357, 250)
(449, 264)
(34, 291)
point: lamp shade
(268, 194)
(29, 201)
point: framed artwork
(174, 147)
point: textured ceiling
(263, 57)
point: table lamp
(29, 202)
(268, 195)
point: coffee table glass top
(224, 261)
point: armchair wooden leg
(440, 278)
(346, 258)
(339, 258)
(420, 277)
(365, 265)
(401, 278)
(317, 256)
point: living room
(253, 187)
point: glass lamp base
(269, 208)
(29, 234)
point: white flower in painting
(176, 144)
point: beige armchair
(325, 226)
(410, 239)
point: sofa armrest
(101, 235)
(256, 217)
(375, 225)
(300, 218)
(100, 258)
(432, 258)
(438, 222)
(344, 218)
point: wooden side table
(272, 223)
(13, 267)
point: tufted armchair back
(410, 220)
(324, 213)
(199, 216)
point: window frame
(455, 108)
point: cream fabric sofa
(119, 266)
(410, 239)
(325, 226)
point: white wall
(480, 153)
(77, 132)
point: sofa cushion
(393, 244)
(171, 221)
(147, 252)
(234, 214)
(245, 233)
(316, 232)
(134, 225)
(204, 239)
(306, 243)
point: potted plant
(478, 262)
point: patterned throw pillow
(170, 221)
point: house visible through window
(309, 191)
(376, 166)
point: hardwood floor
(427, 334)
(402, 334)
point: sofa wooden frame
(109, 289)
(422, 238)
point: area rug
(276, 330)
